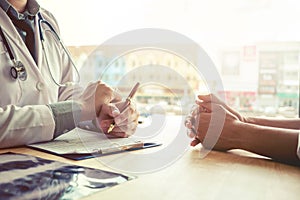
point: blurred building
(263, 77)
(166, 79)
(257, 78)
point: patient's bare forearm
(276, 143)
(274, 122)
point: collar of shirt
(32, 8)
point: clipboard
(80, 144)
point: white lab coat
(24, 115)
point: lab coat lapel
(38, 46)
(14, 37)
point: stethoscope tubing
(41, 21)
(18, 71)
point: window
(255, 49)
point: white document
(80, 141)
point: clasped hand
(210, 112)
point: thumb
(205, 98)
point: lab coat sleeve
(66, 116)
(25, 125)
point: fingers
(124, 131)
(205, 98)
(188, 122)
(109, 110)
(124, 124)
(204, 101)
(108, 103)
(127, 115)
(127, 121)
(105, 124)
(115, 134)
(191, 133)
(210, 98)
(195, 142)
(198, 120)
(204, 106)
(119, 130)
(191, 121)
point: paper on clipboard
(78, 143)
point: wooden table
(234, 175)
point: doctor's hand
(96, 96)
(125, 123)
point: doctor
(37, 100)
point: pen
(126, 104)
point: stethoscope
(18, 70)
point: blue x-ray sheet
(29, 177)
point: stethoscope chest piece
(18, 71)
